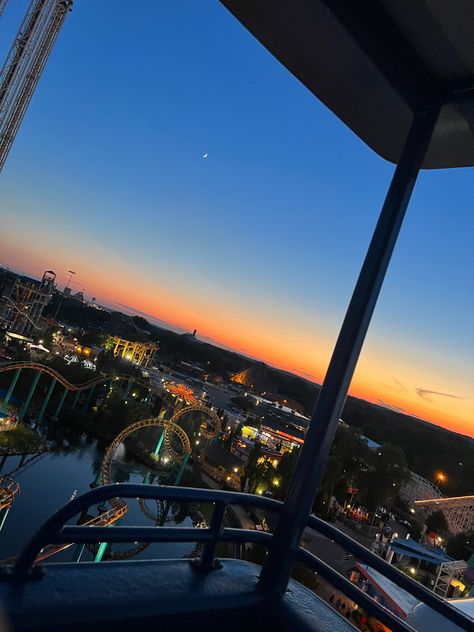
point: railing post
(46, 399)
(208, 561)
(6, 400)
(27, 401)
(312, 460)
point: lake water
(69, 470)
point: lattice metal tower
(25, 62)
(3, 4)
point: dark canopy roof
(375, 63)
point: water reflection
(73, 466)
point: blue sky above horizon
(259, 245)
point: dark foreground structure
(401, 75)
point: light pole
(61, 299)
(440, 477)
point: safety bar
(54, 531)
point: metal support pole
(3, 516)
(46, 399)
(159, 443)
(101, 551)
(2, 462)
(88, 398)
(74, 401)
(128, 389)
(312, 461)
(27, 401)
(182, 467)
(78, 551)
(6, 400)
(60, 404)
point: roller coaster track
(9, 490)
(106, 473)
(207, 433)
(43, 368)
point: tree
(246, 404)
(436, 522)
(91, 338)
(386, 472)
(461, 546)
(285, 470)
(250, 469)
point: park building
(140, 353)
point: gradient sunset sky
(258, 245)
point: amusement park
(187, 437)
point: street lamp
(71, 274)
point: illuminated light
(41, 342)
(134, 394)
(395, 535)
(236, 469)
(197, 442)
(276, 482)
(413, 570)
(228, 478)
(412, 510)
(439, 539)
(456, 583)
(165, 459)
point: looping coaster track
(207, 433)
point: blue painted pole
(74, 401)
(27, 401)
(15, 377)
(88, 398)
(60, 404)
(46, 399)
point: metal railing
(55, 531)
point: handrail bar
(353, 592)
(55, 531)
(49, 530)
(430, 598)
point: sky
(257, 246)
